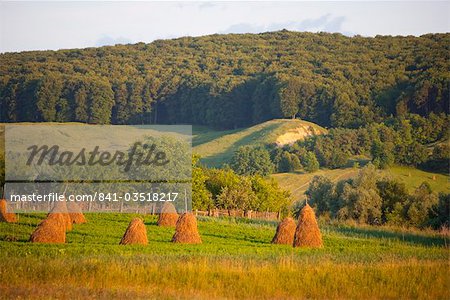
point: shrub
(250, 161)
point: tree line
(230, 81)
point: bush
(394, 196)
(382, 154)
(238, 196)
(310, 162)
(288, 163)
(419, 209)
(321, 194)
(269, 196)
(201, 197)
(250, 161)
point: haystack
(60, 207)
(285, 232)
(49, 230)
(8, 217)
(136, 233)
(168, 216)
(75, 213)
(186, 231)
(307, 233)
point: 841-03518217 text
(97, 196)
(138, 197)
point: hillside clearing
(297, 183)
(217, 147)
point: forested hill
(232, 80)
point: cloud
(207, 5)
(326, 23)
(106, 40)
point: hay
(285, 232)
(49, 230)
(168, 216)
(186, 231)
(60, 207)
(307, 233)
(136, 233)
(75, 213)
(8, 217)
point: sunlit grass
(236, 260)
(217, 147)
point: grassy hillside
(298, 183)
(414, 177)
(217, 147)
(236, 260)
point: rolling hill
(217, 147)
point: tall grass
(236, 260)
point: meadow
(236, 260)
(297, 183)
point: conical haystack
(136, 233)
(285, 232)
(168, 216)
(186, 231)
(307, 233)
(8, 217)
(60, 207)
(75, 213)
(49, 230)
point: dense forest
(229, 81)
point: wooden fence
(260, 215)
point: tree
(289, 97)
(81, 109)
(48, 91)
(250, 161)
(238, 196)
(100, 101)
(310, 162)
(441, 212)
(394, 196)
(201, 197)
(360, 198)
(382, 154)
(269, 196)
(288, 163)
(321, 194)
(420, 205)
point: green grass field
(217, 147)
(413, 178)
(297, 183)
(236, 260)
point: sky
(62, 24)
